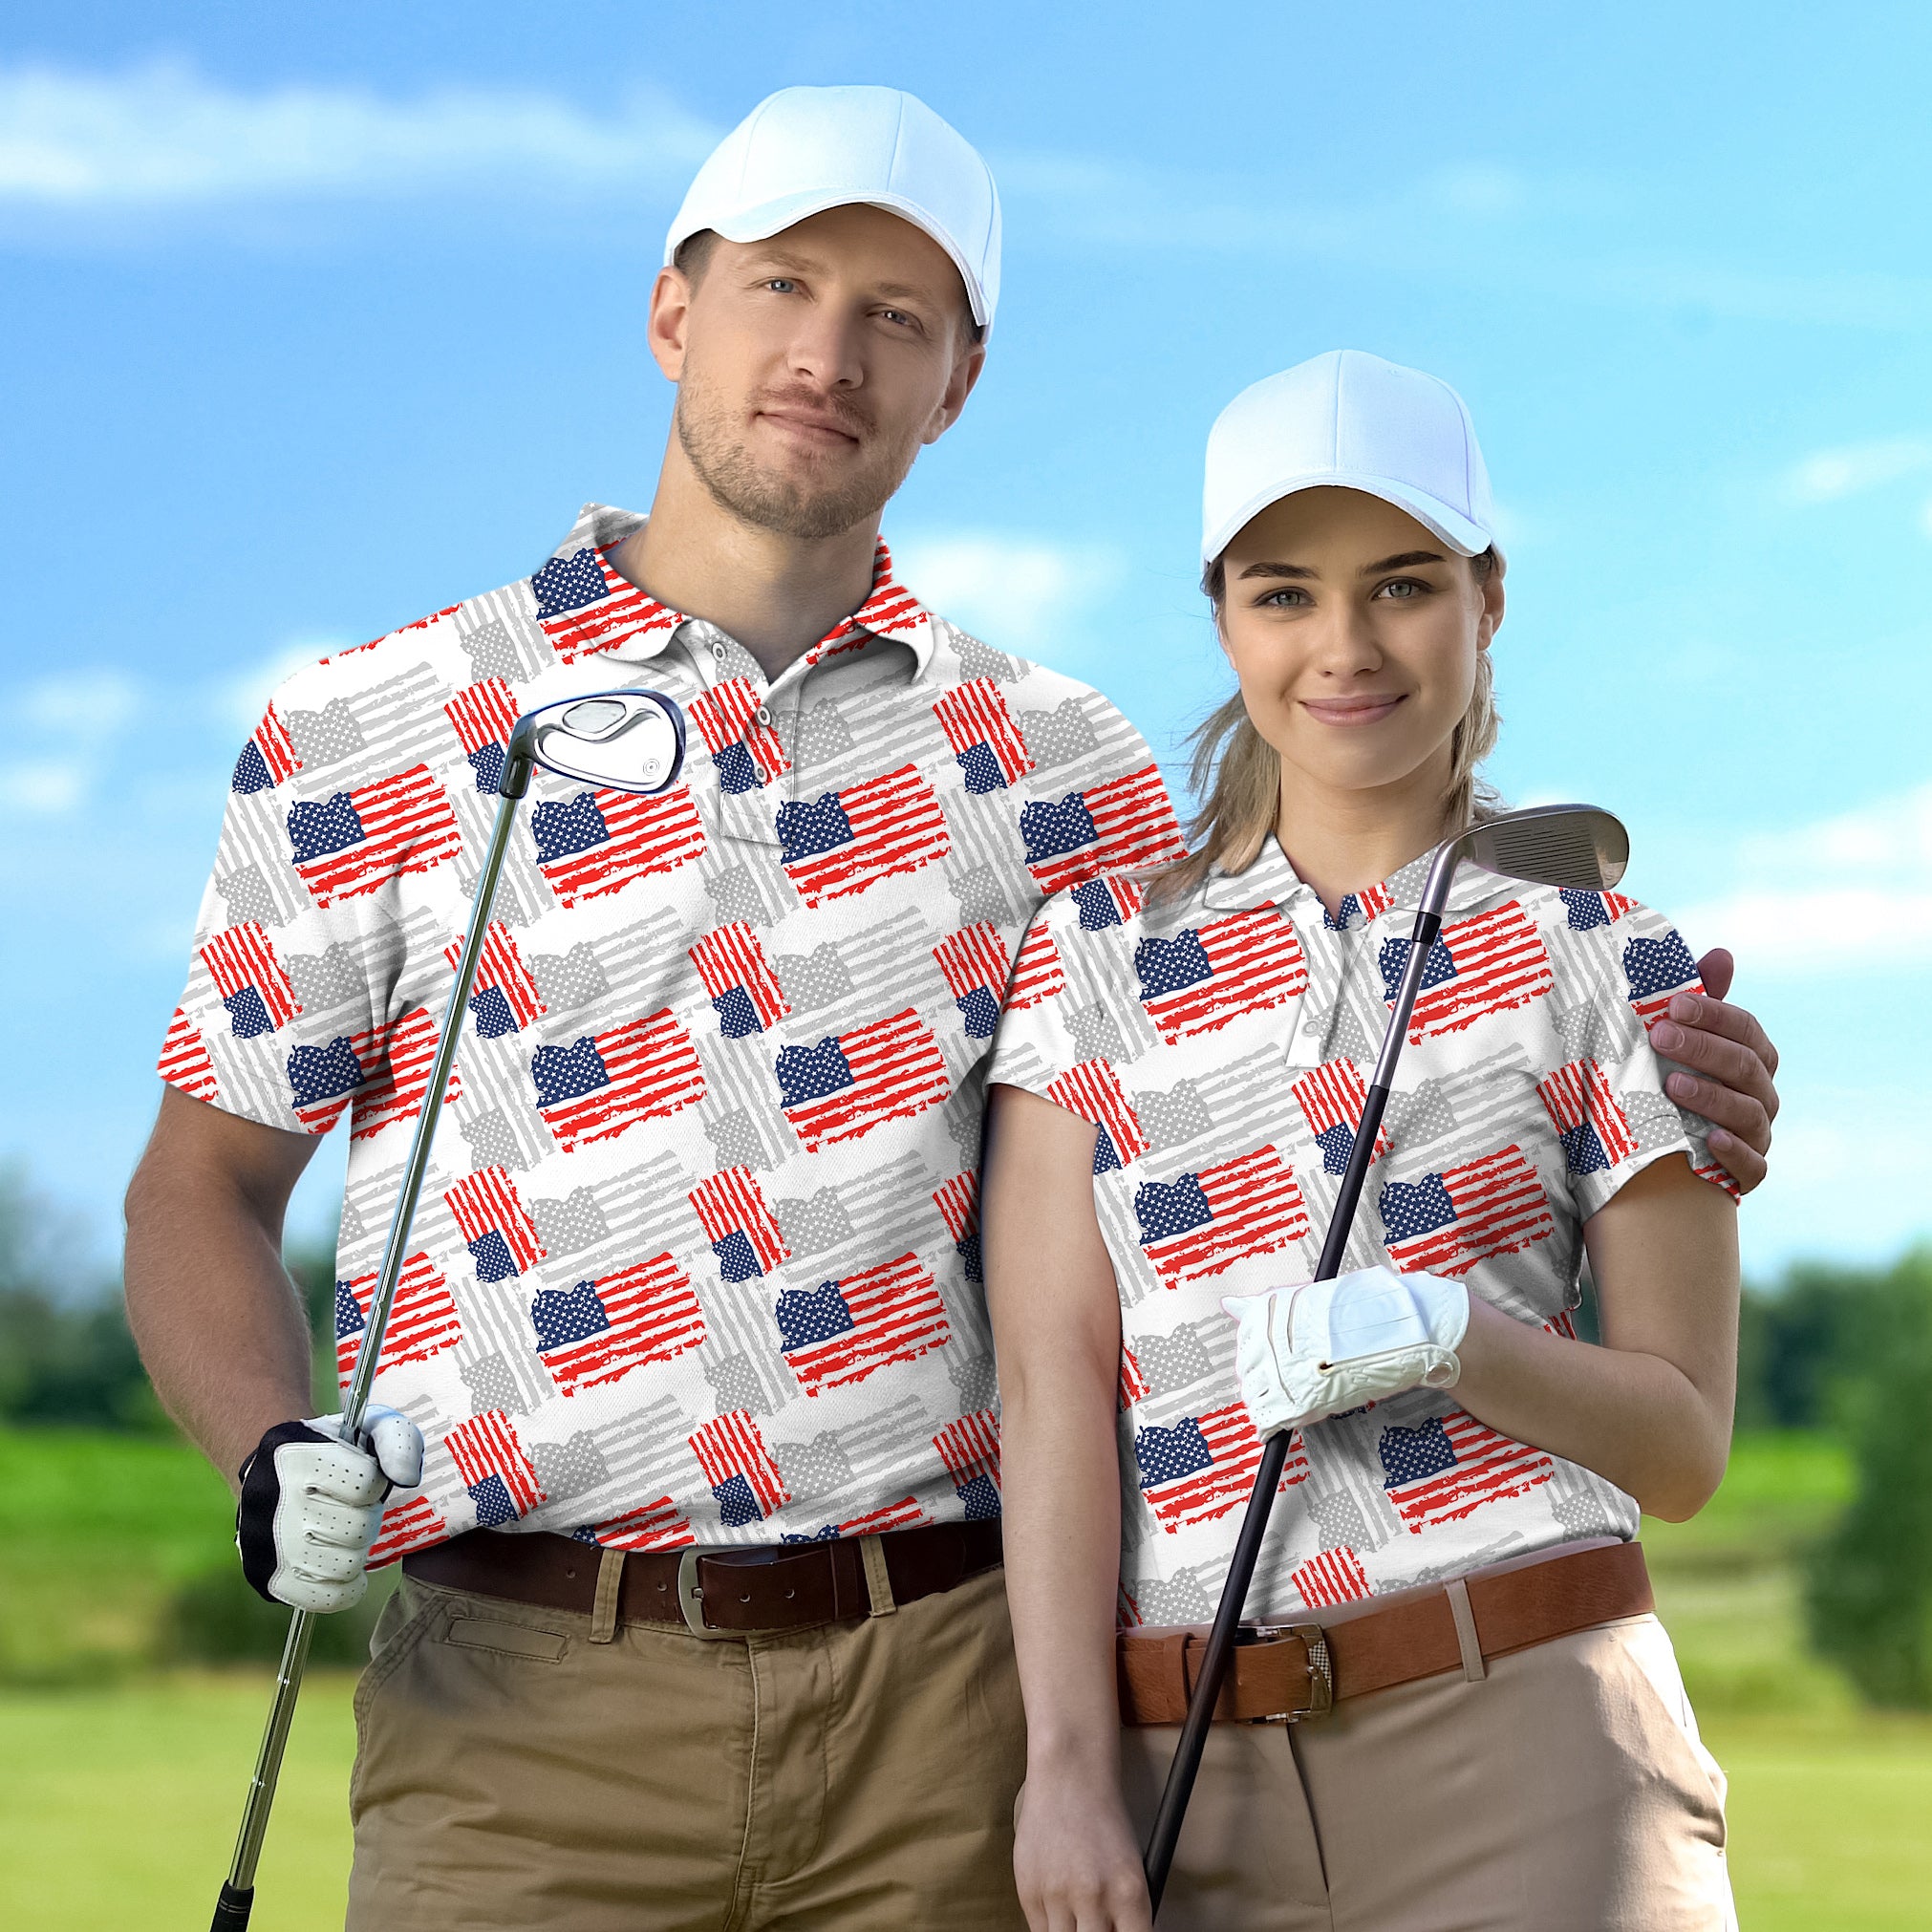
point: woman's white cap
(805, 149)
(1349, 421)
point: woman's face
(1355, 634)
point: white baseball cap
(1349, 421)
(805, 149)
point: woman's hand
(1074, 1857)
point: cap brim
(1464, 538)
(772, 218)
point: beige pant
(1566, 1792)
(510, 1772)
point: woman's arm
(1650, 1410)
(1055, 1329)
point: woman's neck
(1340, 841)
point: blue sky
(318, 322)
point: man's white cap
(805, 149)
(1349, 421)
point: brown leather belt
(1283, 1673)
(786, 1586)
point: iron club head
(1576, 845)
(623, 741)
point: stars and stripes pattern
(1657, 969)
(849, 840)
(598, 1331)
(1477, 1211)
(1331, 1098)
(585, 607)
(503, 998)
(1134, 1387)
(1091, 1089)
(1331, 1577)
(496, 1228)
(412, 1523)
(737, 1221)
(744, 1481)
(185, 1062)
(1037, 974)
(1452, 1465)
(1198, 1469)
(1199, 1225)
(249, 979)
(748, 754)
(498, 1475)
(1203, 978)
(1110, 900)
(987, 745)
(1594, 1131)
(422, 1320)
(604, 1084)
(973, 963)
(1123, 825)
(681, 1004)
(744, 990)
(851, 1083)
(355, 842)
(1584, 911)
(1476, 967)
(844, 1331)
(267, 760)
(600, 840)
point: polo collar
(1272, 878)
(585, 607)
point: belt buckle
(691, 1599)
(1320, 1671)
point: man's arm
(1731, 1065)
(219, 1326)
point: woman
(1177, 1081)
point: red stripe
(973, 957)
(184, 1061)
(969, 1447)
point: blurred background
(316, 323)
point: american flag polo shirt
(1220, 1040)
(698, 1260)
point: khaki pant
(1566, 1792)
(861, 1775)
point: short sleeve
(291, 1016)
(1035, 1045)
(1619, 965)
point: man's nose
(826, 350)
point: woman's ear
(1490, 619)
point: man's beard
(791, 508)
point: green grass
(121, 1786)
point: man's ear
(670, 321)
(958, 387)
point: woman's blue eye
(1402, 589)
(1284, 598)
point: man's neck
(777, 595)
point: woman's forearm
(1650, 1410)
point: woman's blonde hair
(1237, 773)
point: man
(697, 1269)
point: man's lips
(824, 430)
(1351, 710)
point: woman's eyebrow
(1275, 570)
(1404, 560)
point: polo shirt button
(764, 714)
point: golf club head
(621, 740)
(1576, 845)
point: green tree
(1869, 1588)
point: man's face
(811, 367)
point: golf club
(621, 741)
(1571, 845)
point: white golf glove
(312, 1504)
(1323, 1347)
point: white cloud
(46, 788)
(1851, 890)
(1829, 474)
(163, 135)
(80, 707)
(242, 698)
(1016, 592)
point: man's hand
(312, 1504)
(1732, 1066)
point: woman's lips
(1350, 710)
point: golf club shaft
(237, 1896)
(1219, 1652)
